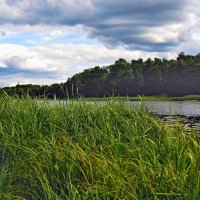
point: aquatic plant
(100, 151)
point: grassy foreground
(83, 151)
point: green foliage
(151, 77)
(101, 151)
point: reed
(100, 151)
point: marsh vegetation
(83, 151)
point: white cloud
(14, 79)
(31, 34)
(134, 24)
(62, 61)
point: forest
(150, 78)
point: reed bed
(101, 151)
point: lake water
(183, 108)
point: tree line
(150, 77)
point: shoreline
(140, 98)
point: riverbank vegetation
(82, 151)
(152, 77)
(142, 98)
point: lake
(188, 112)
(182, 108)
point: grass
(144, 98)
(83, 151)
(165, 98)
(111, 98)
(188, 97)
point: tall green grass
(82, 151)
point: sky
(48, 41)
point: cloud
(149, 25)
(57, 62)
(47, 41)
(21, 78)
(45, 11)
(4, 71)
(2, 33)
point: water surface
(185, 108)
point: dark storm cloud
(115, 22)
(139, 8)
(125, 22)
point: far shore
(141, 98)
